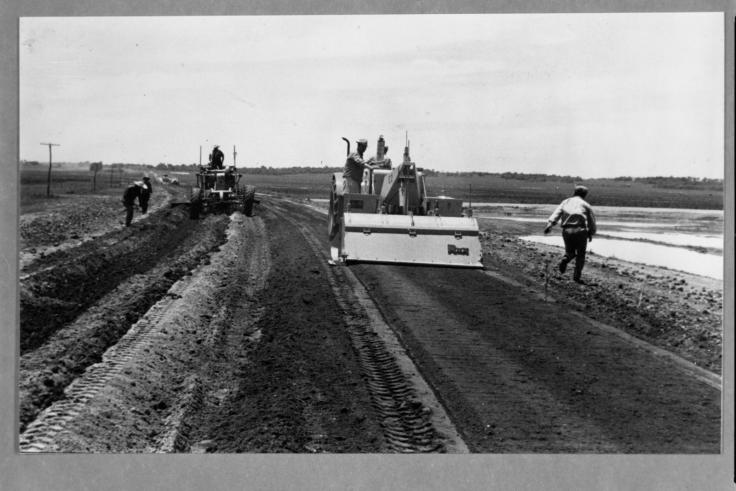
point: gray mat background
(370, 472)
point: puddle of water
(678, 239)
(604, 210)
(676, 258)
(513, 219)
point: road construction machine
(219, 190)
(393, 219)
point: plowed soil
(223, 335)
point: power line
(48, 178)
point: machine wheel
(195, 203)
(195, 208)
(249, 198)
(333, 217)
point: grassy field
(603, 192)
(67, 183)
(491, 189)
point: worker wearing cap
(578, 228)
(129, 196)
(146, 191)
(354, 166)
(217, 158)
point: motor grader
(393, 219)
(218, 190)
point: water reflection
(709, 241)
(677, 258)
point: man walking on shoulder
(578, 228)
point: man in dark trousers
(217, 158)
(578, 228)
(129, 196)
(146, 192)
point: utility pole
(48, 179)
(235, 154)
(200, 155)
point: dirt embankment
(677, 311)
(79, 300)
(299, 388)
(249, 354)
(248, 350)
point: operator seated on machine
(216, 162)
(386, 162)
(217, 159)
(354, 166)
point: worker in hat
(217, 158)
(578, 228)
(146, 191)
(129, 196)
(354, 166)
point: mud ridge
(80, 277)
(45, 371)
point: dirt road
(232, 334)
(519, 374)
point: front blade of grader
(432, 240)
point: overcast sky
(594, 95)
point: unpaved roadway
(232, 334)
(518, 374)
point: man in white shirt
(578, 228)
(354, 166)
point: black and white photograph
(460, 235)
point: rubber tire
(333, 221)
(195, 208)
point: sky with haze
(591, 95)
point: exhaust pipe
(348, 143)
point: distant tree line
(279, 171)
(508, 175)
(663, 182)
(671, 182)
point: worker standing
(217, 158)
(386, 164)
(129, 196)
(354, 166)
(578, 228)
(146, 192)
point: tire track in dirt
(81, 276)
(105, 409)
(521, 375)
(48, 369)
(233, 326)
(412, 418)
(296, 383)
